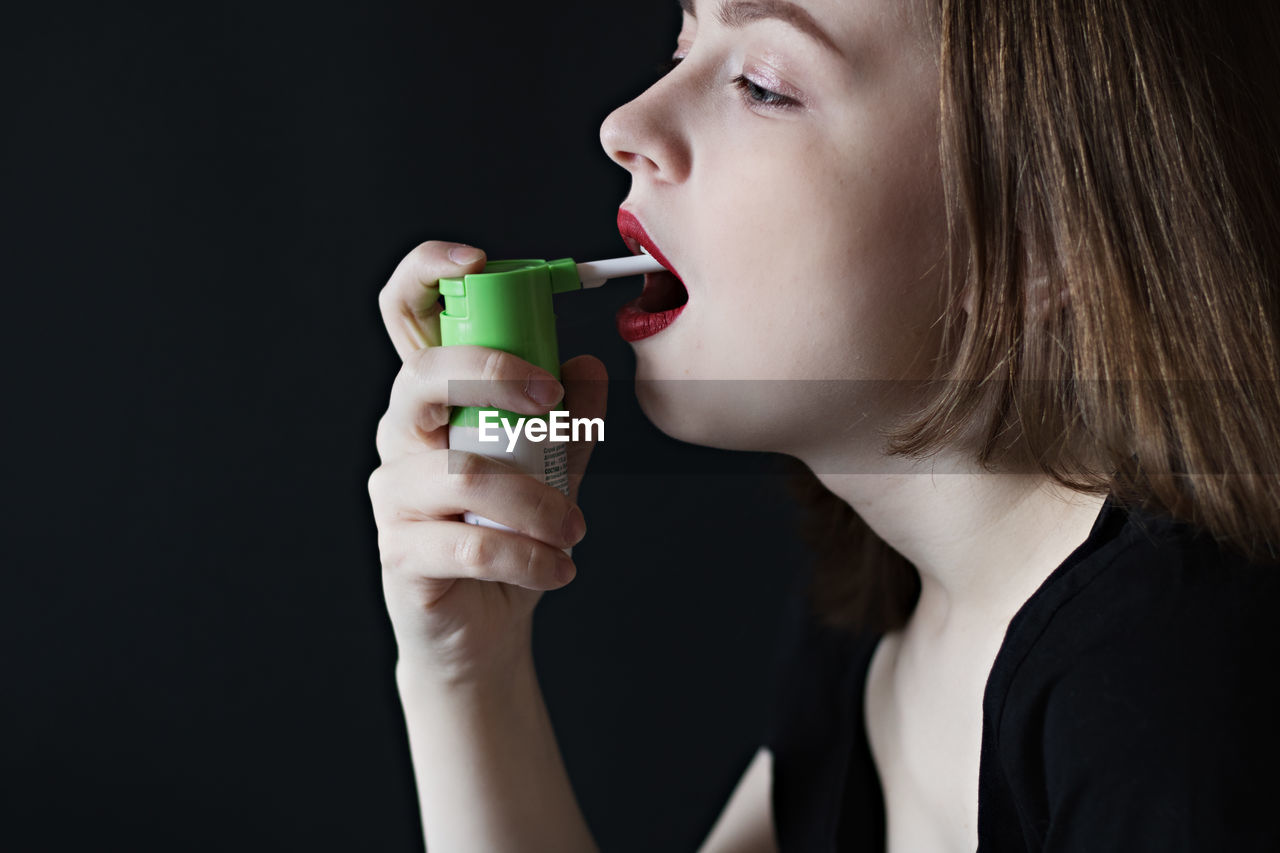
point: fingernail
(463, 255)
(574, 527)
(543, 391)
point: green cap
(507, 307)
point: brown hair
(1112, 181)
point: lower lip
(635, 323)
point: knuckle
(388, 296)
(548, 511)
(391, 555)
(417, 367)
(533, 562)
(472, 548)
(470, 471)
(428, 249)
(376, 484)
(382, 439)
(494, 364)
(425, 254)
(431, 417)
(430, 258)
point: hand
(461, 596)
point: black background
(201, 202)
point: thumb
(586, 395)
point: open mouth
(664, 296)
(662, 292)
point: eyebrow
(739, 13)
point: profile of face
(787, 168)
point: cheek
(876, 264)
(764, 248)
(841, 298)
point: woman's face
(787, 169)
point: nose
(645, 136)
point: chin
(670, 405)
(723, 414)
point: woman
(1024, 257)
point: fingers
(408, 301)
(470, 551)
(431, 381)
(442, 484)
(417, 498)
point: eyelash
(751, 92)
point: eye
(752, 92)
(761, 96)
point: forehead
(859, 27)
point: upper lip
(634, 235)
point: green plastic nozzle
(507, 307)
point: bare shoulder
(746, 824)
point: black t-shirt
(1130, 708)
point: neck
(982, 542)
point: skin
(835, 201)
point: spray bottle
(509, 307)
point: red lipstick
(646, 316)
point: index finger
(409, 301)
